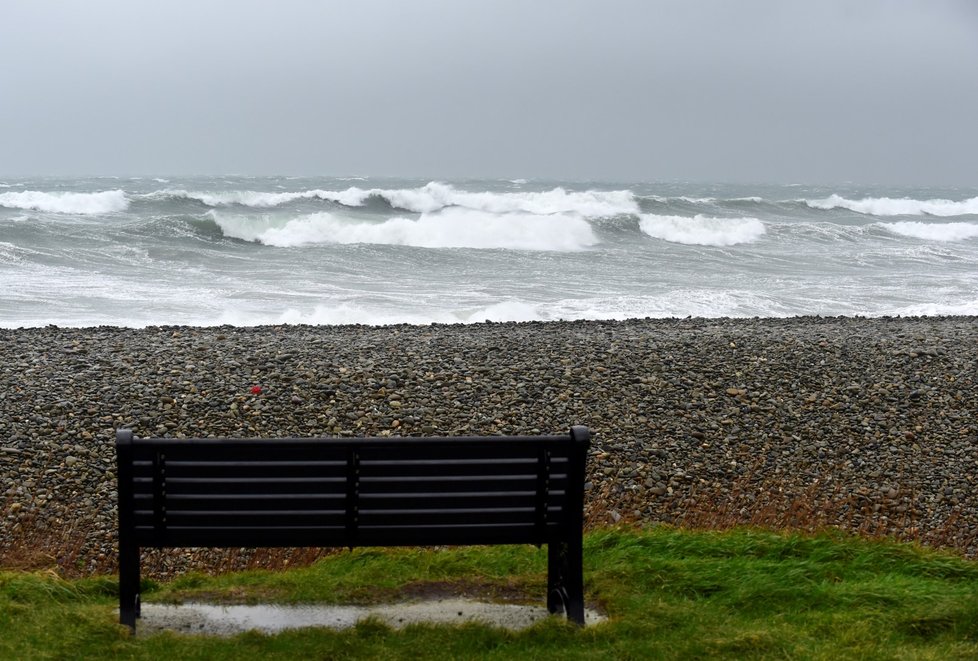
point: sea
(206, 250)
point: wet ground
(221, 620)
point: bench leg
(565, 579)
(128, 585)
(555, 600)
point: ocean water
(268, 250)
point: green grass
(668, 594)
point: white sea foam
(701, 200)
(344, 312)
(11, 254)
(969, 308)
(680, 198)
(353, 197)
(74, 203)
(451, 228)
(702, 230)
(934, 231)
(504, 311)
(888, 206)
(434, 197)
(680, 302)
(248, 198)
(327, 315)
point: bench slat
(336, 536)
(451, 484)
(525, 467)
(453, 499)
(255, 469)
(258, 501)
(269, 518)
(227, 486)
(245, 502)
(368, 485)
(218, 469)
(329, 449)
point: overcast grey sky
(820, 91)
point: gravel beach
(868, 425)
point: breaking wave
(75, 203)
(434, 197)
(451, 228)
(702, 230)
(255, 199)
(934, 231)
(888, 206)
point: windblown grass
(668, 594)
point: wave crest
(702, 230)
(433, 197)
(888, 206)
(934, 231)
(451, 228)
(74, 203)
(257, 199)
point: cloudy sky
(819, 91)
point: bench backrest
(352, 492)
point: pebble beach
(865, 425)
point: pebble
(867, 425)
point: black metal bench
(355, 492)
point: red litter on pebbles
(255, 390)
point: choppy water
(247, 250)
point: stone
(827, 416)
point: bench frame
(350, 492)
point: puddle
(218, 620)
